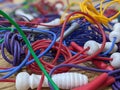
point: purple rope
(77, 66)
(114, 72)
(12, 45)
(117, 84)
(114, 87)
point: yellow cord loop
(87, 6)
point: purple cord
(12, 45)
(117, 84)
(117, 77)
(77, 66)
(114, 72)
(98, 31)
(114, 87)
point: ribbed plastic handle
(64, 80)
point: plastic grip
(99, 64)
(63, 80)
(95, 84)
(108, 82)
(76, 47)
(102, 65)
(22, 80)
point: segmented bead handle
(64, 80)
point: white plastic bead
(108, 46)
(116, 27)
(61, 13)
(93, 45)
(20, 12)
(63, 80)
(116, 60)
(54, 22)
(114, 21)
(59, 6)
(22, 80)
(114, 34)
(34, 81)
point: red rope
(7, 80)
(61, 49)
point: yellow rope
(87, 6)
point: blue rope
(17, 68)
(112, 46)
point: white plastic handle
(64, 80)
(22, 81)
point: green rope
(31, 50)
